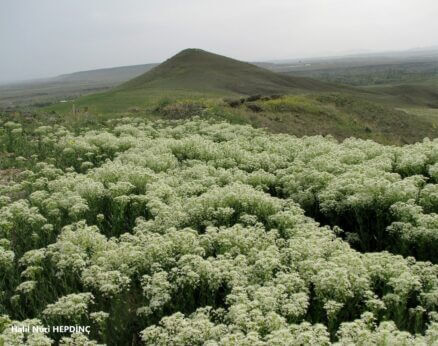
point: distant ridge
(117, 74)
(199, 70)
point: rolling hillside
(196, 82)
(419, 93)
(198, 70)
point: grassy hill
(195, 82)
(197, 74)
(415, 93)
(198, 70)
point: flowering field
(205, 233)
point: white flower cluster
(71, 306)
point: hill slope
(194, 82)
(198, 70)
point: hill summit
(199, 70)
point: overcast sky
(42, 38)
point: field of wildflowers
(198, 232)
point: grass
(341, 115)
(428, 114)
(416, 93)
(117, 101)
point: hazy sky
(41, 38)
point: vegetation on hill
(195, 82)
(341, 115)
(196, 232)
(198, 70)
(416, 93)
